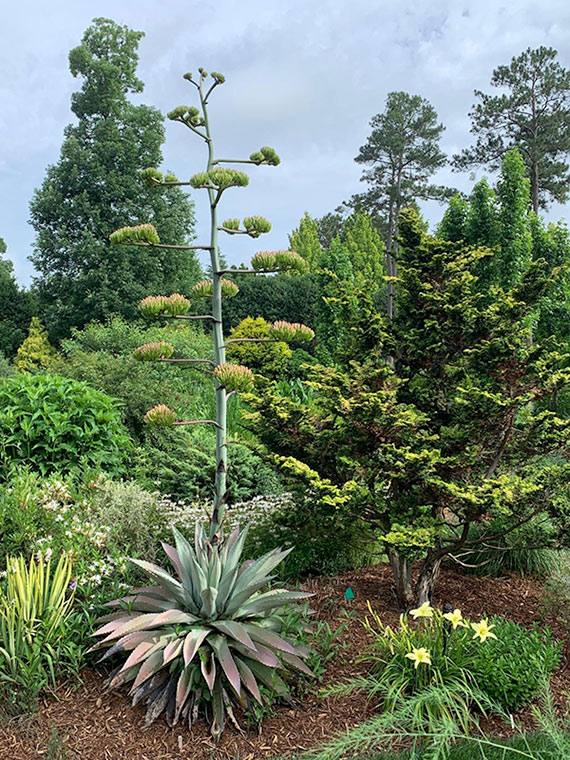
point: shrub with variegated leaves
(204, 639)
(234, 377)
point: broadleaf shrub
(54, 424)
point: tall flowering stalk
(216, 179)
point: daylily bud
(234, 377)
(152, 352)
(160, 415)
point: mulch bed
(92, 726)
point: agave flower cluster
(205, 288)
(234, 377)
(265, 155)
(291, 332)
(278, 261)
(141, 234)
(219, 179)
(154, 306)
(152, 352)
(160, 415)
(206, 637)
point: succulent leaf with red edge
(209, 632)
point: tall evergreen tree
(304, 240)
(16, 307)
(401, 153)
(533, 114)
(95, 187)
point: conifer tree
(456, 431)
(16, 307)
(36, 352)
(95, 186)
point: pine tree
(95, 186)
(533, 114)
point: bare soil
(94, 726)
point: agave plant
(206, 637)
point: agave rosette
(206, 637)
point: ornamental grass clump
(206, 638)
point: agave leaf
(209, 596)
(193, 641)
(149, 667)
(126, 643)
(214, 570)
(220, 647)
(235, 630)
(139, 624)
(218, 711)
(199, 538)
(296, 662)
(150, 686)
(171, 705)
(183, 688)
(208, 667)
(229, 710)
(269, 638)
(261, 654)
(261, 567)
(154, 591)
(272, 600)
(248, 679)
(237, 599)
(121, 677)
(156, 704)
(142, 603)
(114, 624)
(173, 617)
(165, 581)
(268, 676)
(172, 650)
(174, 558)
(229, 543)
(138, 654)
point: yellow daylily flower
(420, 655)
(483, 630)
(455, 618)
(426, 611)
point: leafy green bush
(34, 613)
(54, 424)
(521, 665)
(5, 366)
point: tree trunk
(534, 186)
(428, 577)
(402, 571)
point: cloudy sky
(302, 76)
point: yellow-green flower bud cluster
(234, 377)
(279, 261)
(188, 115)
(206, 288)
(291, 332)
(152, 352)
(160, 415)
(219, 179)
(231, 224)
(141, 233)
(154, 306)
(151, 175)
(256, 225)
(266, 156)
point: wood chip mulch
(93, 726)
